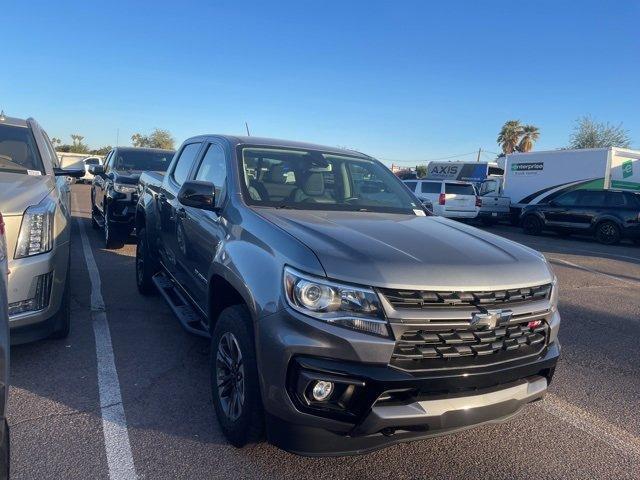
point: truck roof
(236, 140)
(14, 122)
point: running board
(190, 319)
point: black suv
(609, 215)
(114, 190)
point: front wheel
(608, 233)
(234, 377)
(113, 236)
(146, 265)
(532, 225)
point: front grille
(420, 348)
(420, 299)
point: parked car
(114, 189)
(34, 200)
(341, 316)
(450, 198)
(89, 162)
(4, 356)
(609, 215)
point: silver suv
(34, 201)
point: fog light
(322, 390)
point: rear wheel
(532, 225)
(608, 233)
(234, 377)
(146, 265)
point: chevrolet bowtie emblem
(490, 319)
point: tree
(587, 133)
(78, 146)
(101, 150)
(530, 134)
(157, 139)
(56, 141)
(421, 171)
(509, 136)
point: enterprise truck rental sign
(527, 167)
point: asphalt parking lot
(587, 427)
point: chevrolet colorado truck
(342, 316)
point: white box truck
(538, 177)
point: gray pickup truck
(342, 316)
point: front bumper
(122, 208)
(386, 405)
(22, 285)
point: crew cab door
(98, 182)
(205, 229)
(173, 213)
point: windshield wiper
(284, 207)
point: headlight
(122, 188)
(36, 231)
(349, 306)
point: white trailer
(538, 177)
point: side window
(108, 162)
(213, 168)
(54, 156)
(185, 161)
(568, 199)
(431, 187)
(411, 185)
(616, 199)
(592, 199)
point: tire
(241, 422)
(112, 234)
(608, 233)
(62, 318)
(532, 225)
(146, 265)
(94, 211)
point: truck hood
(409, 252)
(19, 191)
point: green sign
(627, 169)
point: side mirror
(96, 169)
(71, 172)
(198, 194)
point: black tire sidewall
(605, 239)
(531, 225)
(248, 426)
(145, 282)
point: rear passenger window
(430, 187)
(214, 169)
(411, 185)
(616, 199)
(185, 161)
(592, 199)
(568, 199)
(459, 189)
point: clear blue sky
(398, 80)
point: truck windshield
(313, 180)
(141, 160)
(18, 151)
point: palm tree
(530, 133)
(509, 136)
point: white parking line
(591, 270)
(598, 428)
(114, 422)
